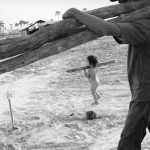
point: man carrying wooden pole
(137, 35)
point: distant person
(92, 76)
(137, 35)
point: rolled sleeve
(134, 33)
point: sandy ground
(49, 105)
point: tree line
(22, 22)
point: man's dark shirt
(137, 35)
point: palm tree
(26, 22)
(2, 28)
(16, 25)
(57, 13)
(21, 23)
(1, 24)
(84, 9)
(11, 26)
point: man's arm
(93, 23)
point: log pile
(64, 35)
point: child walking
(92, 76)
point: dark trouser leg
(135, 126)
(148, 126)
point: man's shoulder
(135, 32)
(145, 22)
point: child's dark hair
(92, 60)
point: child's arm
(86, 74)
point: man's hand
(69, 13)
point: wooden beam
(64, 44)
(49, 49)
(60, 29)
(140, 14)
(87, 67)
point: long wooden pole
(64, 44)
(87, 67)
(61, 28)
(49, 49)
(11, 114)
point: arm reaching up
(86, 74)
(93, 23)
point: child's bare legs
(96, 96)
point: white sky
(11, 11)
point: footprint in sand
(8, 113)
(1, 145)
(35, 118)
(75, 136)
(74, 126)
(9, 147)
